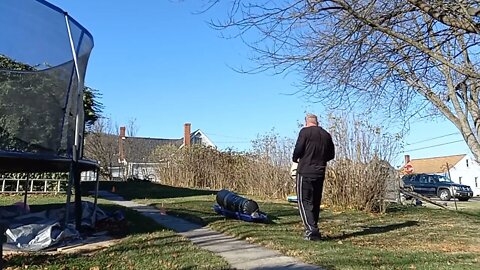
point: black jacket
(314, 148)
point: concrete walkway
(240, 254)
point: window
(460, 180)
(196, 140)
(442, 178)
(423, 179)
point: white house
(462, 169)
(135, 153)
(131, 157)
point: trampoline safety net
(41, 94)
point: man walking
(313, 149)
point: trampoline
(44, 54)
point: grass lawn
(403, 238)
(148, 246)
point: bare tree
(361, 176)
(132, 127)
(274, 149)
(101, 144)
(406, 57)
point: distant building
(462, 169)
(133, 156)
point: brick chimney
(407, 159)
(121, 147)
(186, 134)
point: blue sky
(162, 65)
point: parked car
(437, 185)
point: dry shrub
(360, 174)
(262, 172)
(356, 179)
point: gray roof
(138, 149)
(105, 148)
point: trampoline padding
(32, 163)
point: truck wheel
(444, 194)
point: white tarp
(40, 230)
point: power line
(226, 136)
(235, 142)
(431, 146)
(426, 140)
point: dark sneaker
(312, 238)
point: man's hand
(293, 170)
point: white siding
(143, 170)
(467, 174)
(135, 170)
(88, 176)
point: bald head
(311, 120)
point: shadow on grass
(144, 190)
(45, 207)
(196, 216)
(397, 208)
(469, 213)
(204, 218)
(300, 267)
(375, 230)
(202, 212)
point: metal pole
(78, 129)
(69, 192)
(3, 239)
(97, 180)
(78, 200)
(79, 85)
(454, 199)
(26, 191)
